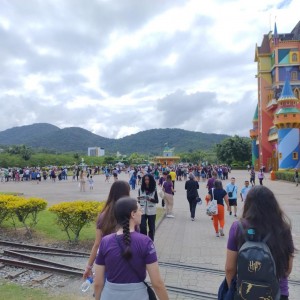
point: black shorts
(232, 202)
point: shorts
(232, 202)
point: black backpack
(256, 270)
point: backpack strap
(243, 231)
(266, 238)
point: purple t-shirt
(116, 267)
(232, 245)
(168, 185)
(210, 183)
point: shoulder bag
(212, 208)
(150, 292)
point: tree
(234, 149)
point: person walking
(296, 177)
(232, 190)
(245, 190)
(263, 215)
(132, 180)
(261, 176)
(148, 199)
(125, 257)
(252, 177)
(106, 222)
(192, 187)
(81, 181)
(219, 194)
(167, 187)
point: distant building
(168, 157)
(96, 151)
(276, 124)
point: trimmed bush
(73, 216)
(285, 175)
(26, 210)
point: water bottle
(87, 284)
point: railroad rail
(42, 248)
(206, 270)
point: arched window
(294, 57)
(297, 93)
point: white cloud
(116, 68)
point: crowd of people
(126, 230)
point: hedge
(285, 175)
(73, 216)
(26, 210)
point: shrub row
(285, 175)
(73, 216)
(25, 210)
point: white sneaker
(170, 216)
(217, 234)
(193, 219)
(221, 232)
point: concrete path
(180, 240)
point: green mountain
(75, 139)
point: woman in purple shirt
(169, 198)
(125, 256)
(262, 212)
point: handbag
(150, 292)
(199, 200)
(161, 192)
(230, 194)
(212, 208)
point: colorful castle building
(276, 123)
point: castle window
(295, 155)
(294, 75)
(294, 57)
(280, 155)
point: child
(245, 191)
(107, 175)
(91, 182)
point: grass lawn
(11, 193)
(47, 227)
(13, 291)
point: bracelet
(89, 267)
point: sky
(117, 67)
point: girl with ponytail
(125, 256)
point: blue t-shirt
(232, 188)
(117, 268)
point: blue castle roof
(287, 92)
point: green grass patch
(11, 193)
(47, 227)
(13, 291)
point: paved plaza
(180, 240)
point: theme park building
(276, 124)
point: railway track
(206, 270)
(21, 257)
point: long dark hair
(218, 184)
(152, 184)
(123, 209)
(262, 212)
(118, 189)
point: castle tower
(278, 54)
(253, 136)
(287, 120)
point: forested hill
(75, 139)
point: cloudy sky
(116, 67)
